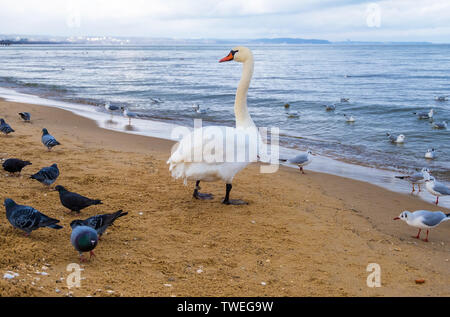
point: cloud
(330, 19)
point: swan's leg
(201, 196)
(235, 202)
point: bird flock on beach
(85, 233)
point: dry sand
(301, 235)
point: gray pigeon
(101, 222)
(14, 165)
(73, 201)
(26, 116)
(5, 128)
(83, 239)
(27, 218)
(48, 140)
(47, 175)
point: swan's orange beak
(230, 57)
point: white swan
(182, 164)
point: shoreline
(158, 129)
(301, 235)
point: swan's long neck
(243, 119)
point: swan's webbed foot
(201, 196)
(234, 202)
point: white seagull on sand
(423, 219)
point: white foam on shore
(382, 178)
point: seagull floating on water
(430, 154)
(396, 138)
(423, 219)
(440, 125)
(330, 107)
(441, 98)
(345, 99)
(417, 178)
(437, 189)
(425, 115)
(349, 118)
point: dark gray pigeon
(26, 116)
(14, 165)
(5, 128)
(48, 140)
(75, 202)
(83, 239)
(101, 222)
(27, 218)
(47, 175)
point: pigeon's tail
(57, 227)
(26, 163)
(113, 217)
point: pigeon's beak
(397, 218)
(230, 57)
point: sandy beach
(301, 235)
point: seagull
(425, 115)
(128, 114)
(345, 99)
(156, 100)
(330, 107)
(83, 239)
(430, 154)
(293, 114)
(301, 160)
(423, 219)
(101, 222)
(287, 106)
(110, 108)
(15, 165)
(195, 107)
(26, 116)
(47, 175)
(27, 218)
(437, 189)
(396, 139)
(417, 178)
(75, 202)
(441, 98)
(5, 128)
(440, 125)
(350, 118)
(48, 140)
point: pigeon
(83, 239)
(128, 114)
(425, 115)
(430, 154)
(396, 138)
(417, 178)
(440, 125)
(423, 219)
(48, 140)
(101, 222)
(5, 128)
(350, 118)
(47, 175)
(437, 189)
(27, 218)
(15, 165)
(26, 116)
(74, 201)
(301, 160)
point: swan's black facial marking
(234, 52)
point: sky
(334, 20)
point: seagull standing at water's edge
(128, 114)
(437, 189)
(423, 219)
(301, 160)
(417, 178)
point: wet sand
(301, 235)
